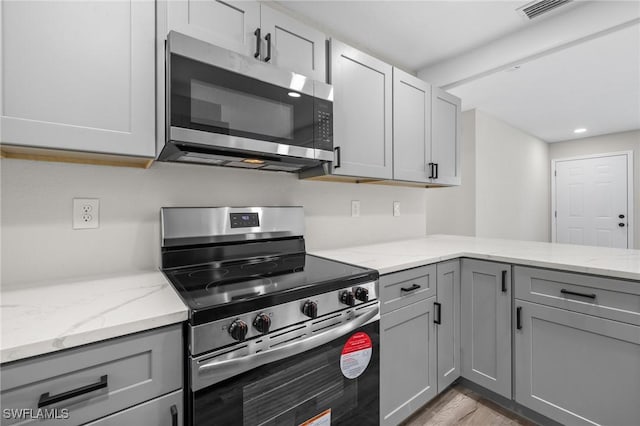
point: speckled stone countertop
(398, 255)
(46, 317)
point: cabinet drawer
(95, 380)
(603, 297)
(164, 411)
(405, 287)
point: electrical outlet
(86, 213)
(355, 208)
(396, 208)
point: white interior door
(592, 205)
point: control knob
(362, 294)
(262, 323)
(310, 309)
(348, 298)
(238, 330)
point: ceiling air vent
(537, 8)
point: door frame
(630, 200)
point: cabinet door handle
(438, 312)
(504, 281)
(268, 38)
(573, 293)
(174, 415)
(337, 162)
(46, 399)
(413, 287)
(519, 317)
(431, 171)
(436, 166)
(257, 34)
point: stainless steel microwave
(226, 109)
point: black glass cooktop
(218, 291)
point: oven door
(333, 382)
(222, 99)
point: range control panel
(244, 220)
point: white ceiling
(573, 73)
(595, 85)
(413, 34)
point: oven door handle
(231, 367)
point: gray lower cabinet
(486, 324)
(576, 369)
(447, 315)
(408, 376)
(163, 411)
(96, 380)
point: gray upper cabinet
(362, 113)
(411, 127)
(254, 30)
(79, 76)
(294, 46)
(229, 24)
(447, 315)
(486, 324)
(445, 137)
(576, 369)
(408, 377)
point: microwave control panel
(324, 125)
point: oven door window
(295, 390)
(215, 100)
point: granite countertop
(398, 255)
(46, 317)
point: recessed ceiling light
(580, 130)
(294, 94)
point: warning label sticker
(322, 419)
(356, 355)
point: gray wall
(512, 182)
(615, 142)
(39, 244)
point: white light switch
(396, 208)
(355, 208)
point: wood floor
(461, 406)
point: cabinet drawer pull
(257, 34)
(519, 317)
(413, 287)
(268, 38)
(437, 319)
(504, 281)
(573, 293)
(174, 415)
(46, 399)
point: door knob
(621, 225)
(621, 216)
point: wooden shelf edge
(76, 157)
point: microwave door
(214, 100)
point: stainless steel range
(275, 336)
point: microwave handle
(257, 34)
(235, 366)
